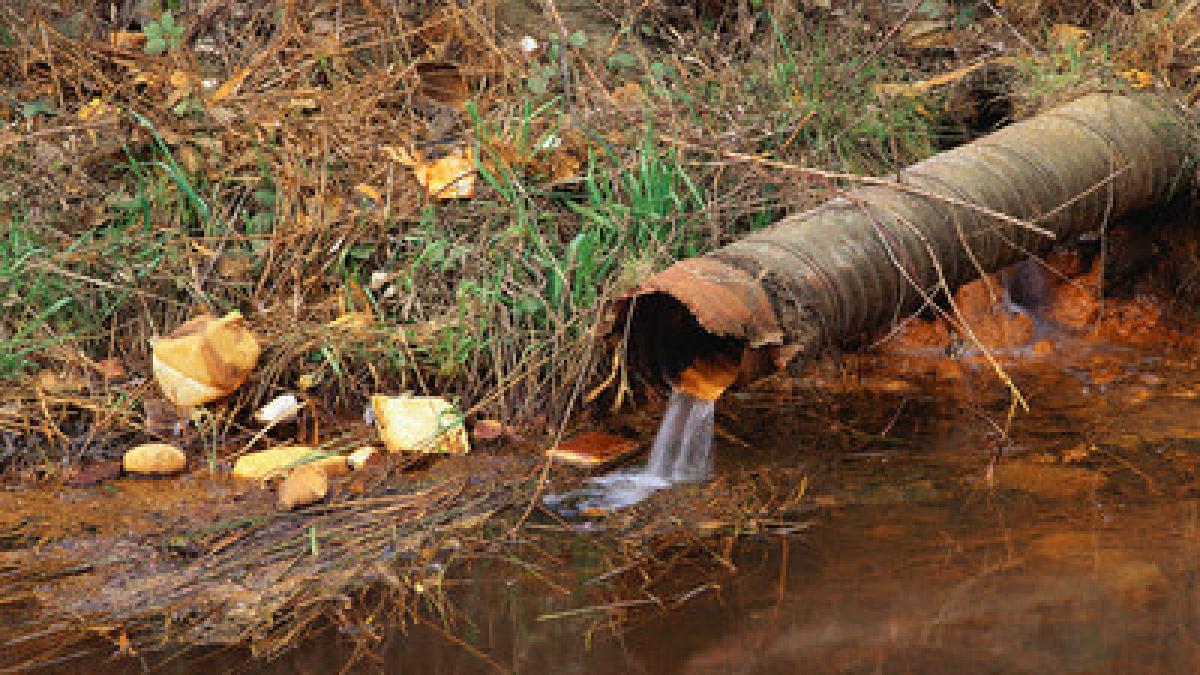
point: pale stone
(205, 359)
(424, 424)
(154, 458)
(268, 463)
(303, 486)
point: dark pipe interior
(665, 338)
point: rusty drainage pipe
(859, 262)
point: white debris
(281, 409)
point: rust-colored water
(937, 546)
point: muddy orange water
(936, 544)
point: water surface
(937, 544)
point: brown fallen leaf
(230, 86)
(162, 418)
(129, 40)
(443, 83)
(52, 382)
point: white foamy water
(682, 452)
(683, 446)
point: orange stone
(594, 449)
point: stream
(936, 546)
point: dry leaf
(925, 86)
(128, 40)
(52, 382)
(180, 79)
(230, 87)
(443, 83)
(449, 177)
(110, 368)
(1065, 35)
(353, 322)
(94, 108)
(308, 380)
(400, 155)
(369, 192)
(96, 474)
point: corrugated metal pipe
(857, 263)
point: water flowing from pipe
(682, 452)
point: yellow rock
(154, 458)
(269, 463)
(304, 485)
(205, 359)
(425, 424)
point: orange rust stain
(1075, 303)
(724, 300)
(918, 334)
(1044, 348)
(1138, 320)
(708, 378)
(46, 513)
(991, 323)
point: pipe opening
(668, 347)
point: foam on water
(682, 452)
